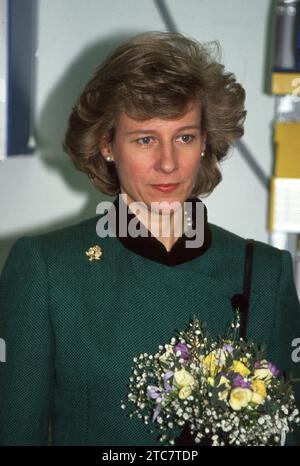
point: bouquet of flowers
(224, 391)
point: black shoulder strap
(247, 286)
(242, 301)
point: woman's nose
(167, 158)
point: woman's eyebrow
(142, 131)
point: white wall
(43, 191)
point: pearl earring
(109, 159)
(203, 153)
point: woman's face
(152, 153)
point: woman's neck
(166, 227)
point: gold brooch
(94, 253)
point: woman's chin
(166, 204)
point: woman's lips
(165, 188)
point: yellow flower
(209, 363)
(183, 378)
(223, 381)
(240, 368)
(259, 392)
(239, 398)
(263, 373)
(185, 392)
(211, 381)
(214, 361)
(165, 356)
(224, 394)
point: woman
(76, 305)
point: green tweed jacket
(72, 326)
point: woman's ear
(106, 149)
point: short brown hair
(156, 74)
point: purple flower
(157, 393)
(273, 369)
(184, 351)
(153, 391)
(167, 376)
(156, 412)
(227, 347)
(239, 381)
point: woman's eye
(186, 138)
(144, 141)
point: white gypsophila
(284, 409)
(248, 430)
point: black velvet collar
(151, 248)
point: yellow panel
(287, 160)
(271, 204)
(287, 131)
(285, 83)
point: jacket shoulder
(265, 256)
(63, 244)
(77, 232)
(226, 237)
